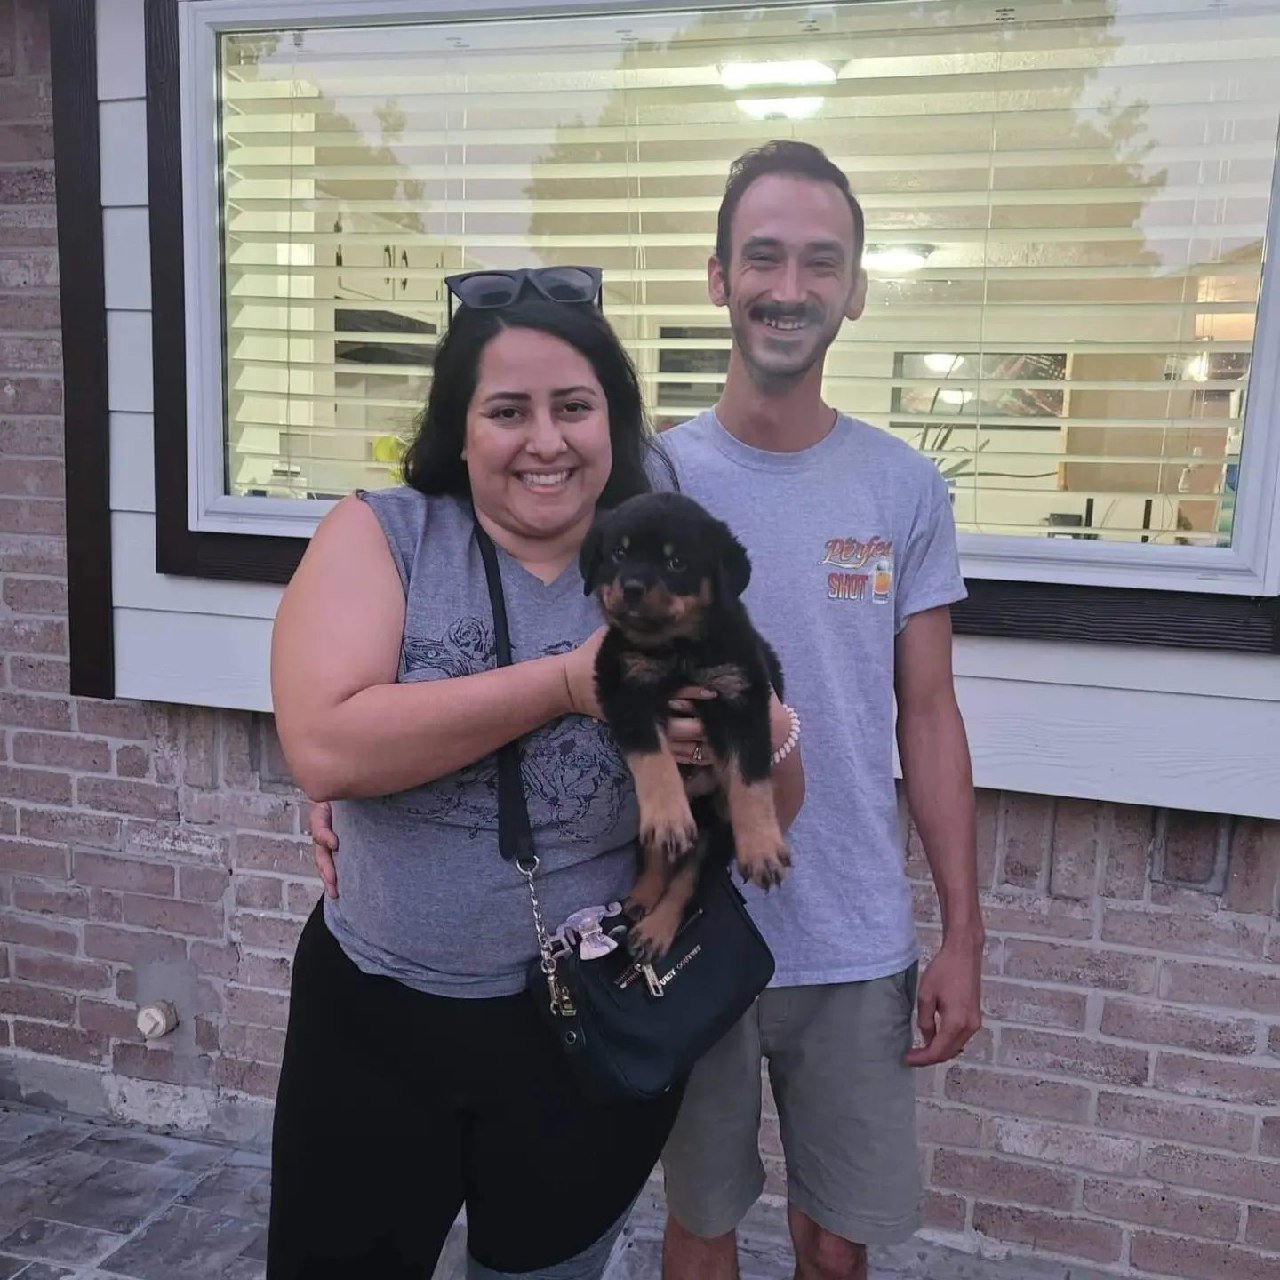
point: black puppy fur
(669, 578)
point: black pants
(395, 1108)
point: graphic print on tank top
(574, 775)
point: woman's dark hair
(433, 463)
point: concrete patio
(90, 1200)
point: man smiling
(854, 564)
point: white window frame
(1251, 566)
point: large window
(1067, 208)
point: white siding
(1178, 728)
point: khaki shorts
(846, 1108)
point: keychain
(585, 930)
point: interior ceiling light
(752, 75)
(942, 362)
(779, 108)
(896, 257)
(955, 395)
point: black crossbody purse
(629, 1031)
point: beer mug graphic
(882, 580)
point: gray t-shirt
(847, 539)
(424, 895)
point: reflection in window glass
(1066, 210)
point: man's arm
(939, 782)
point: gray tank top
(424, 895)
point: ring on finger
(697, 753)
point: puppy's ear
(733, 567)
(589, 557)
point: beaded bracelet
(792, 737)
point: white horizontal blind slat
(1083, 196)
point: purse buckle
(565, 1006)
(560, 999)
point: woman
(416, 1076)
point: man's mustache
(772, 311)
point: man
(854, 564)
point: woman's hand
(580, 677)
(685, 731)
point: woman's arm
(346, 727)
(788, 776)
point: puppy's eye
(619, 555)
(675, 564)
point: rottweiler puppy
(669, 577)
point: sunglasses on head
(482, 290)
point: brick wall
(1119, 1108)
(1121, 1105)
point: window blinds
(1066, 211)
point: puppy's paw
(645, 894)
(672, 835)
(651, 938)
(764, 862)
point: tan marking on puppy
(641, 669)
(728, 680)
(666, 822)
(651, 938)
(761, 851)
(701, 780)
(688, 614)
(657, 618)
(650, 885)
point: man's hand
(949, 1003)
(324, 845)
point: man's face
(792, 279)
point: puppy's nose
(632, 590)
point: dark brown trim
(1178, 619)
(179, 550)
(1023, 610)
(82, 289)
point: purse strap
(515, 835)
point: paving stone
(44, 1143)
(68, 1187)
(257, 1251)
(15, 1126)
(60, 1168)
(115, 1144)
(118, 1196)
(452, 1263)
(638, 1259)
(184, 1242)
(241, 1192)
(196, 1156)
(59, 1242)
(241, 1156)
(917, 1260)
(20, 1200)
(245, 1269)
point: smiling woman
(393, 705)
(537, 457)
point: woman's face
(538, 451)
